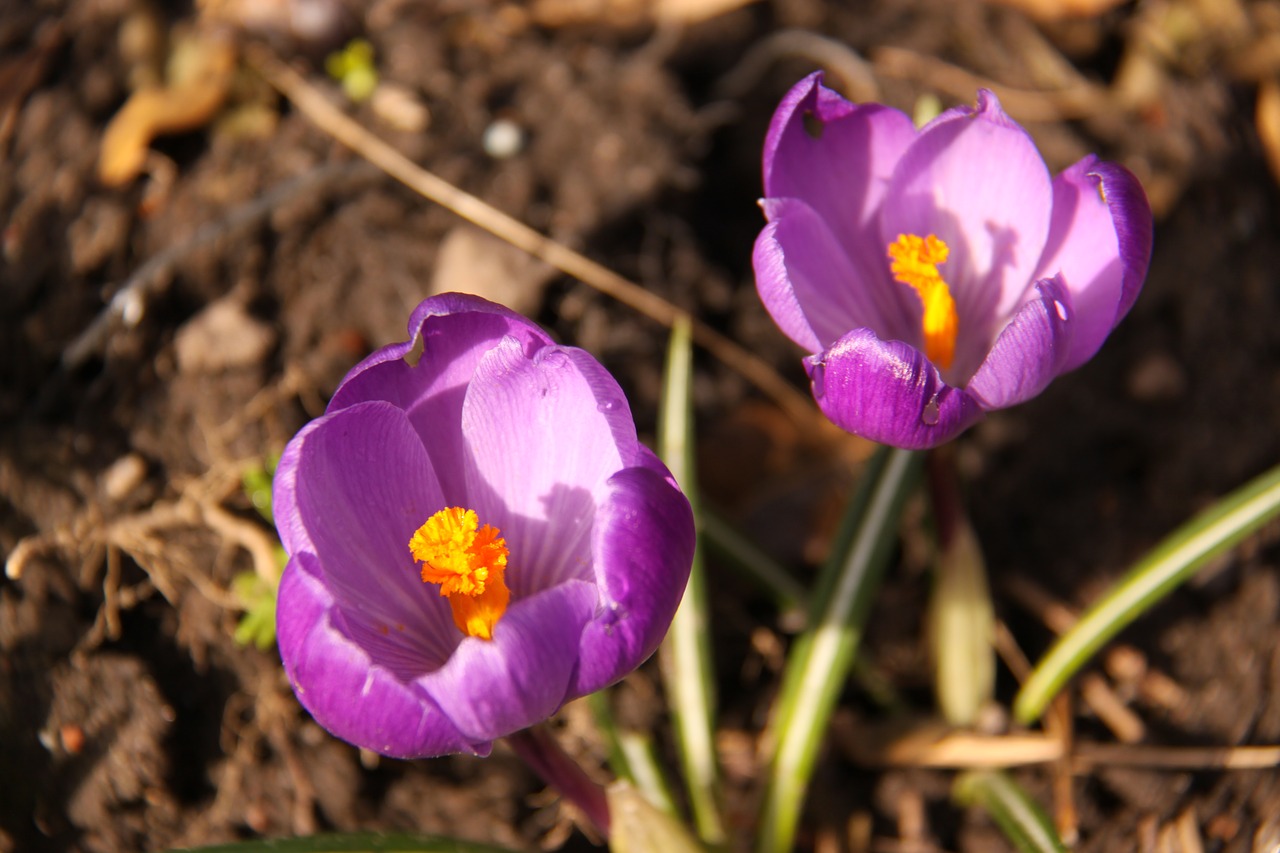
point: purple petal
(643, 548)
(838, 157)
(456, 331)
(1030, 351)
(980, 185)
(810, 287)
(491, 688)
(337, 681)
(364, 484)
(887, 391)
(1100, 242)
(544, 434)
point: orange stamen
(468, 562)
(915, 264)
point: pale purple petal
(491, 688)
(980, 185)
(887, 391)
(364, 484)
(810, 287)
(838, 157)
(1030, 351)
(456, 331)
(338, 682)
(544, 434)
(643, 548)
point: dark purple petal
(979, 184)
(339, 683)
(1030, 351)
(887, 391)
(522, 676)
(1100, 242)
(838, 157)
(643, 549)
(1128, 204)
(810, 287)
(284, 496)
(456, 331)
(544, 435)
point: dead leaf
(1057, 10)
(201, 71)
(1267, 118)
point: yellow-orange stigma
(468, 562)
(915, 264)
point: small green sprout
(257, 595)
(353, 68)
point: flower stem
(819, 663)
(544, 755)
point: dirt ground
(265, 259)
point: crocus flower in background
(937, 274)
(475, 537)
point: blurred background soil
(260, 259)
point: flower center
(915, 264)
(468, 562)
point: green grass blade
(1019, 817)
(1161, 571)
(646, 771)
(631, 755)
(819, 663)
(686, 653)
(602, 712)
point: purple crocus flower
(475, 537)
(937, 274)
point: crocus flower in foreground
(475, 537)
(937, 274)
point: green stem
(820, 661)
(1163, 570)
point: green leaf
(685, 655)
(961, 628)
(1019, 817)
(1160, 572)
(820, 660)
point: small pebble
(222, 337)
(72, 737)
(503, 139)
(124, 475)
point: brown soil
(129, 717)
